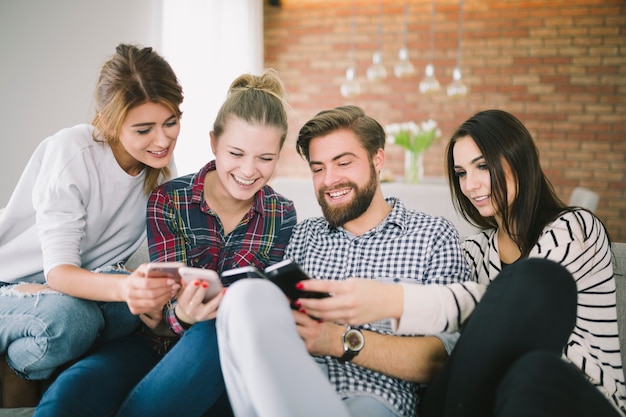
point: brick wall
(558, 65)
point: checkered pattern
(407, 247)
(182, 227)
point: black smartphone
(286, 274)
(235, 274)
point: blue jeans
(40, 332)
(126, 377)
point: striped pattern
(578, 241)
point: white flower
(411, 136)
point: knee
(545, 278)
(249, 296)
(251, 304)
(75, 318)
(69, 327)
(537, 288)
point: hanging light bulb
(429, 83)
(457, 89)
(404, 68)
(377, 71)
(350, 87)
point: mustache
(327, 189)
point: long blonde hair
(131, 77)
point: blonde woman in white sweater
(81, 205)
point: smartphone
(190, 274)
(158, 269)
(235, 274)
(286, 274)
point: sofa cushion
(619, 271)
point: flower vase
(413, 167)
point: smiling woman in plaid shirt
(223, 217)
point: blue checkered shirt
(407, 247)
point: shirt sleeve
(431, 308)
(169, 315)
(58, 196)
(447, 263)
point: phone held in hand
(286, 274)
(235, 274)
(160, 269)
(190, 274)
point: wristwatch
(353, 341)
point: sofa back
(619, 271)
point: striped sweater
(578, 241)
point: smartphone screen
(286, 274)
(232, 275)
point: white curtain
(208, 43)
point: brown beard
(339, 215)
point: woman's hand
(190, 307)
(145, 294)
(354, 301)
(154, 321)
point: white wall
(51, 52)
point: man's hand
(321, 338)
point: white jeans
(266, 366)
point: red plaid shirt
(182, 227)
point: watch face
(354, 339)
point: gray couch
(619, 264)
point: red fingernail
(297, 303)
(196, 283)
(205, 285)
(302, 311)
(299, 285)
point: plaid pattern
(408, 246)
(182, 227)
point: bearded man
(279, 362)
